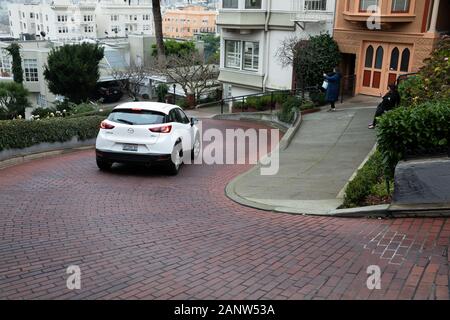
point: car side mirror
(193, 121)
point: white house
(252, 32)
(78, 19)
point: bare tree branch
(189, 71)
(130, 79)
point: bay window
(400, 5)
(251, 55)
(233, 54)
(365, 4)
(230, 4)
(252, 4)
(242, 55)
(31, 70)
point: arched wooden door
(381, 65)
(373, 63)
(399, 62)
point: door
(372, 69)
(382, 63)
(185, 129)
(399, 62)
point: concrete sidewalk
(321, 158)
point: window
(114, 17)
(379, 58)
(251, 56)
(5, 64)
(31, 71)
(230, 4)
(88, 29)
(365, 4)
(252, 4)
(62, 18)
(146, 27)
(369, 57)
(63, 29)
(400, 5)
(315, 5)
(41, 101)
(31, 15)
(145, 17)
(233, 54)
(394, 59)
(404, 66)
(181, 116)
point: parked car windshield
(136, 117)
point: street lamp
(174, 94)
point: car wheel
(176, 159)
(103, 164)
(195, 148)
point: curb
(40, 155)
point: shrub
(83, 108)
(161, 91)
(318, 98)
(423, 129)
(433, 80)
(367, 177)
(19, 134)
(13, 99)
(288, 109)
(307, 105)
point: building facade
(78, 19)
(119, 53)
(252, 32)
(184, 22)
(382, 39)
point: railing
(310, 10)
(243, 99)
(405, 76)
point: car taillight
(162, 129)
(106, 125)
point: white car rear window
(137, 117)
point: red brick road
(136, 233)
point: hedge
(19, 134)
(423, 129)
(366, 178)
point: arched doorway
(381, 64)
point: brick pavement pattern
(139, 234)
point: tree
(310, 58)
(72, 70)
(156, 8)
(130, 79)
(212, 47)
(173, 47)
(13, 100)
(190, 72)
(14, 50)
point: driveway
(138, 234)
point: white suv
(147, 132)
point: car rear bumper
(132, 157)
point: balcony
(249, 14)
(389, 12)
(312, 11)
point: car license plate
(130, 147)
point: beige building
(382, 39)
(183, 23)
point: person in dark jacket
(334, 84)
(390, 101)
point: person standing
(390, 101)
(334, 85)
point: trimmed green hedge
(370, 175)
(19, 134)
(419, 130)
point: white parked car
(147, 132)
